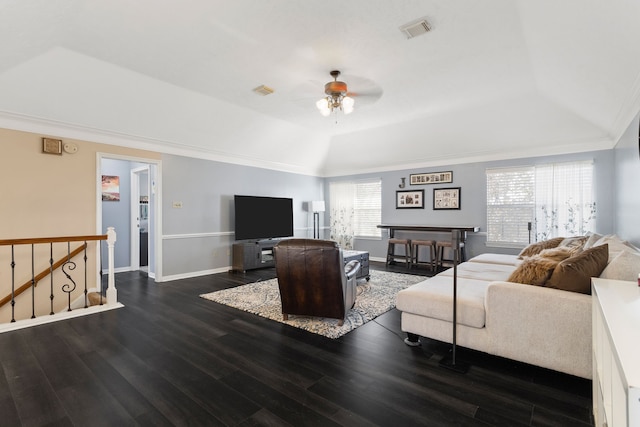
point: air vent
(415, 29)
(263, 90)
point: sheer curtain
(341, 199)
(565, 204)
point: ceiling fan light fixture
(323, 106)
(336, 97)
(347, 104)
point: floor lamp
(316, 207)
(449, 361)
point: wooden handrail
(44, 273)
(37, 240)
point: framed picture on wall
(431, 178)
(110, 188)
(412, 199)
(446, 198)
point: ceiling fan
(346, 94)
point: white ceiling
(493, 79)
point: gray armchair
(313, 278)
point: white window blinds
(368, 208)
(510, 205)
(356, 210)
(555, 199)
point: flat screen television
(259, 217)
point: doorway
(136, 217)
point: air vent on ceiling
(263, 90)
(415, 29)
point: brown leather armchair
(313, 279)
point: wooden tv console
(253, 255)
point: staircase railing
(66, 264)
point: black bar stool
(415, 251)
(440, 246)
(392, 256)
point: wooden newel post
(112, 292)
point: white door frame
(155, 182)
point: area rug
(374, 298)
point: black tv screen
(263, 217)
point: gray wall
(472, 181)
(198, 237)
(627, 185)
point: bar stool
(392, 255)
(440, 252)
(415, 250)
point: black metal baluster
(33, 283)
(51, 274)
(13, 285)
(85, 276)
(71, 266)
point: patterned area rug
(374, 297)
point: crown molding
(25, 123)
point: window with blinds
(535, 203)
(368, 208)
(510, 205)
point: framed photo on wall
(446, 198)
(411, 199)
(431, 178)
(110, 188)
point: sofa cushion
(534, 270)
(434, 298)
(481, 271)
(575, 273)
(536, 248)
(625, 266)
(490, 258)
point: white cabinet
(616, 353)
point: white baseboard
(195, 274)
(27, 323)
(118, 270)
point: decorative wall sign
(110, 188)
(412, 199)
(446, 198)
(431, 178)
(52, 146)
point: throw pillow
(574, 242)
(536, 248)
(626, 266)
(559, 253)
(591, 239)
(533, 270)
(616, 245)
(574, 274)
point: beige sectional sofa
(540, 325)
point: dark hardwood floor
(172, 358)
